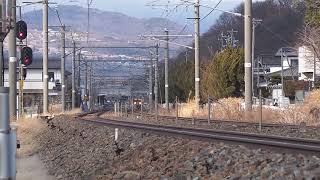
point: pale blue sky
(138, 8)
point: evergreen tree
(313, 13)
(224, 75)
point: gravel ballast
(73, 149)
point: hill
(103, 24)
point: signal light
(21, 30)
(26, 56)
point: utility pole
(1, 62)
(73, 76)
(79, 79)
(20, 97)
(90, 89)
(253, 60)
(21, 80)
(86, 83)
(282, 81)
(20, 12)
(89, 2)
(12, 61)
(156, 82)
(258, 76)
(3, 34)
(45, 56)
(166, 70)
(150, 85)
(4, 135)
(63, 58)
(197, 51)
(7, 109)
(255, 23)
(248, 54)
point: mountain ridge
(102, 23)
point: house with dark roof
(284, 62)
(287, 55)
(33, 83)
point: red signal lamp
(26, 61)
(26, 56)
(22, 30)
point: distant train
(137, 101)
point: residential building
(33, 83)
(308, 63)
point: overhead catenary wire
(275, 34)
(211, 10)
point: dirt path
(31, 168)
(29, 165)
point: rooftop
(287, 51)
(54, 62)
(289, 72)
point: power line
(276, 35)
(212, 10)
(57, 13)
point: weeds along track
(194, 120)
(301, 145)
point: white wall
(33, 80)
(286, 61)
(306, 62)
(274, 69)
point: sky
(139, 8)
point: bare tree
(310, 37)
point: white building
(33, 84)
(307, 64)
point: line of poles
(88, 73)
(248, 57)
(13, 60)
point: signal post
(25, 60)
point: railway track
(201, 121)
(275, 142)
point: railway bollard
(141, 109)
(132, 108)
(177, 110)
(193, 123)
(209, 110)
(121, 113)
(116, 134)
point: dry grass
(72, 112)
(225, 109)
(230, 109)
(27, 132)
